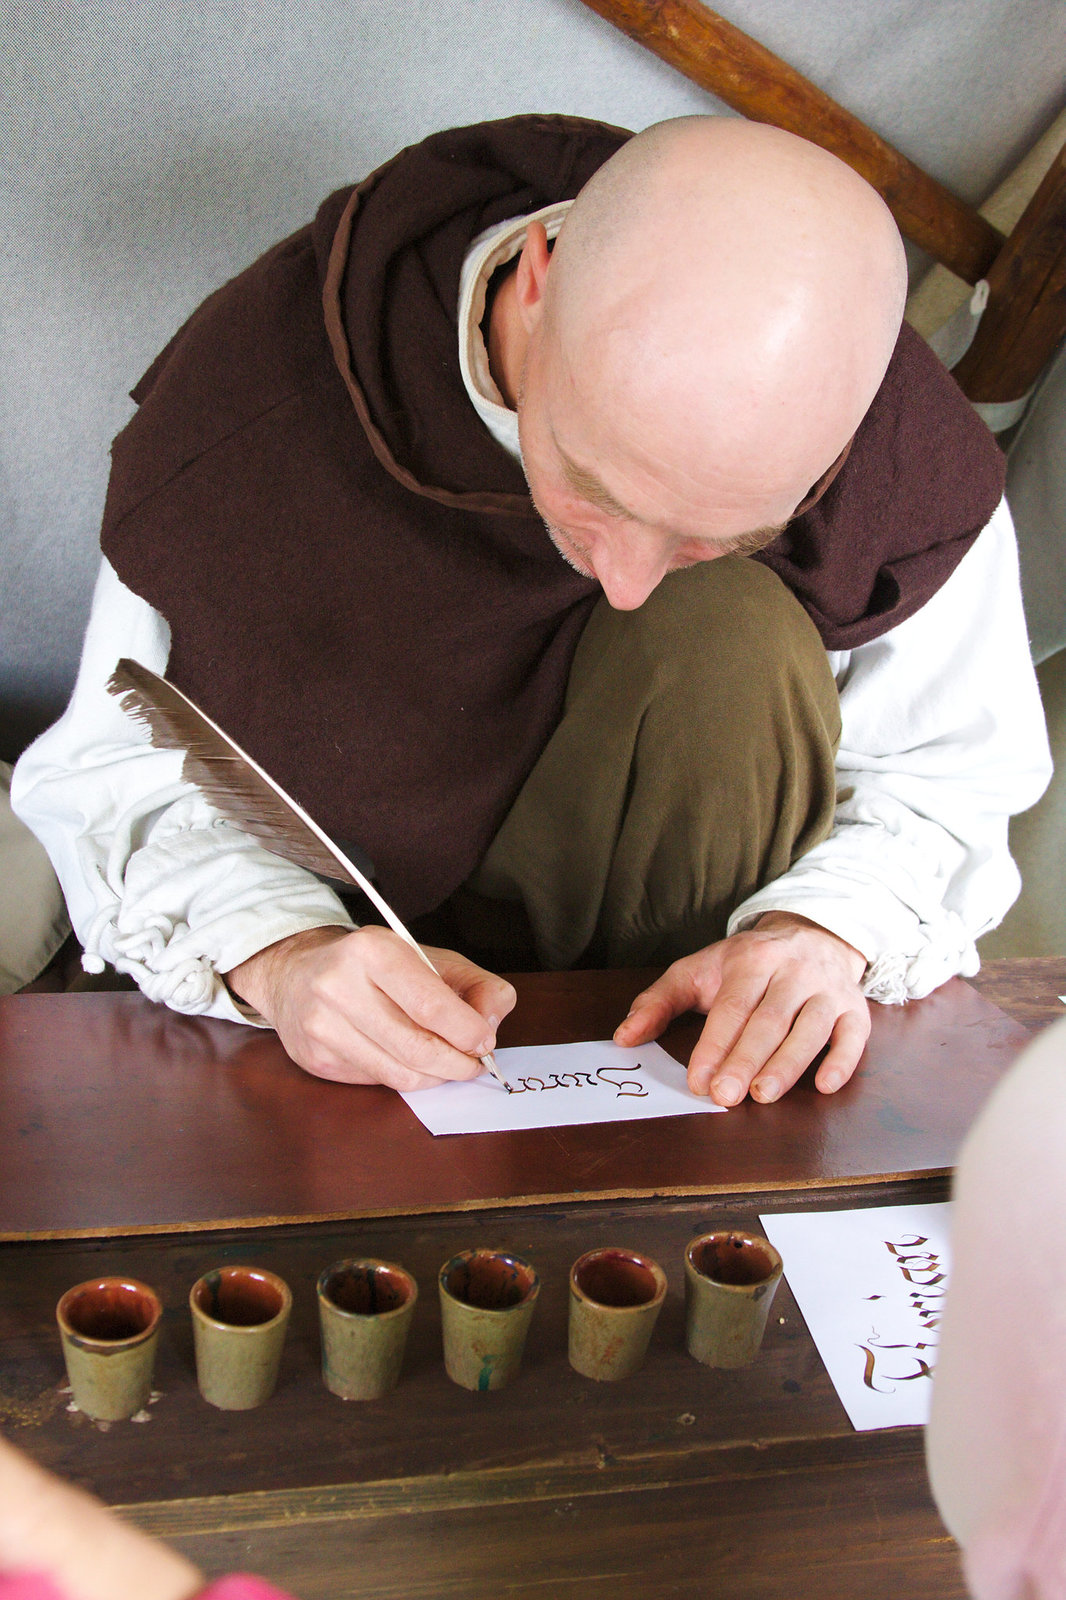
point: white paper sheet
(556, 1085)
(870, 1285)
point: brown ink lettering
(627, 1086)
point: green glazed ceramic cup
(110, 1329)
(615, 1300)
(486, 1304)
(730, 1281)
(365, 1308)
(239, 1317)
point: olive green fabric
(694, 762)
(33, 918)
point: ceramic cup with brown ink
(730, 1281)
(615, 1299)
(239, 1318)
(365, 1309)
(486, 1302)
(110, 1329)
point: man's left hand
(775, 996)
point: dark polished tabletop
(158, 1146)
(118, 1116)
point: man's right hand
(361, 1007)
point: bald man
(676, 403)
(337, 521)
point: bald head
(715, 320)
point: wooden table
(139, 1142)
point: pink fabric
(29, 1586)
(236, 1586)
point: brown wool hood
(394, 254)
(357, 585)
(922, 478)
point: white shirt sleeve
(156, 882)
(943, 739)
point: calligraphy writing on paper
(923, 1272)
(623, 1080)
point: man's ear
(532, 276)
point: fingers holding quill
(240, 790)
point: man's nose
(627, 577)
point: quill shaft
(237, 786)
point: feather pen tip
(490, 1064)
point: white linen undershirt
(942, 740)
(490, 250)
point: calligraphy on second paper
(870, 1284)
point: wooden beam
(748, 77)
(1025, 319)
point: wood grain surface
(678, 1482)
(170, 1122)
(1028, 990)
(745, 75)
(554, 1485)
(1025, 318)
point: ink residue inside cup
(489, 1280)
(366, 1290)
(733, 1258)
(615, 1278)
(239, 1297)
(108, 1310)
